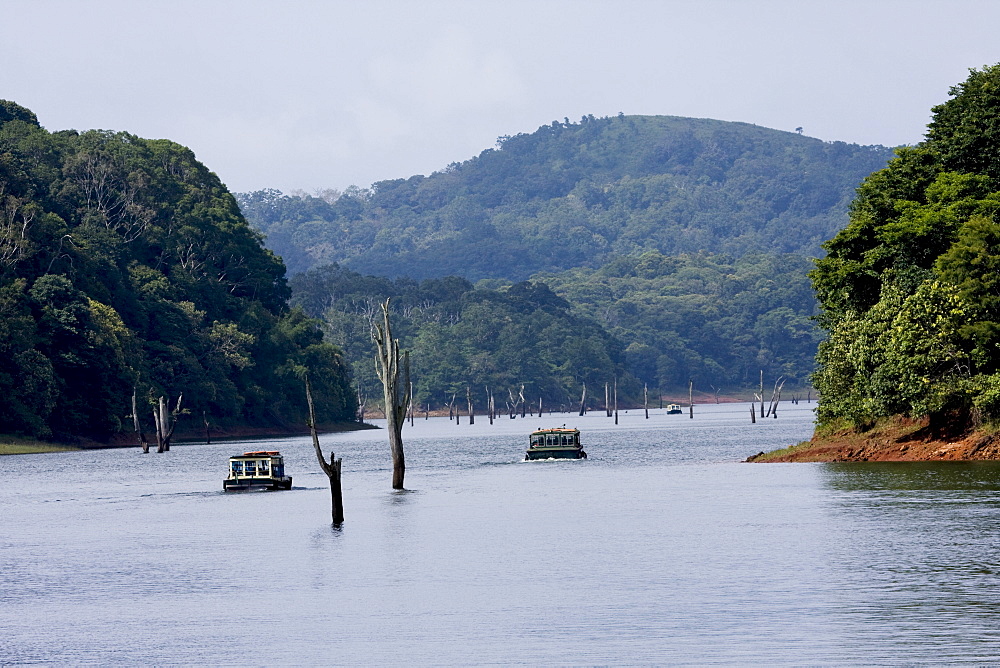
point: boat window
(264, 467)
(565, 440)
(237, 467)
(251, 468)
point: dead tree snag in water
(143, 443)
(397, 397)
(166, 420)
(331, 468)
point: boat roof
(556, 430)
(257, 454)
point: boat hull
(554, 453)
(244, 484)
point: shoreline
(895, 440)
(17, 445)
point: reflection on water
(661, 548)
(925, 543)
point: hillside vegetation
(684, 242)
(576, 194)
(909, 288)
(126, 266)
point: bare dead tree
(397, 397)
(16, 216)
(520, 397)
(332, 468)
(645, 399)
(362, 400)
(762, 393)
(776, 397)
(607, 401)
(583, 401)
(468, 400)
(166, 421)
(143, 443)
(409, 384)
(691, 398)
(616, 400)
(717, 390)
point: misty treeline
(648, 320)
(126, 268)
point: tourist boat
(257, 470)
(673, 409)
(559, 443)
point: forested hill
(577, 194)
(126, 266)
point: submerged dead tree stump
(331, 468)
(397, 396)
(143, 443)
(166, 421)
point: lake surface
(661, 548)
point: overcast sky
(325, 94)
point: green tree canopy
(908, 289)
(125, 263)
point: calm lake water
(661, 548)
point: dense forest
(577, 194)
(652, 320)
(909, 288)
(465, 339)
(685, 242)
(126, 267)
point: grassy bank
(13, 445)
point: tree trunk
(762, 393)
(331, 468)
(616, 401)
(691, 399)
(645, 399)
(397, 399)
(138, 428)
(409, 386)
(607, 401)
(166, 420)
(583, 401)
(468, 400)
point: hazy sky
(313, 94)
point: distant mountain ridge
(579, 194)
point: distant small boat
(559, 443)
(257, 470)
(673, 409)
